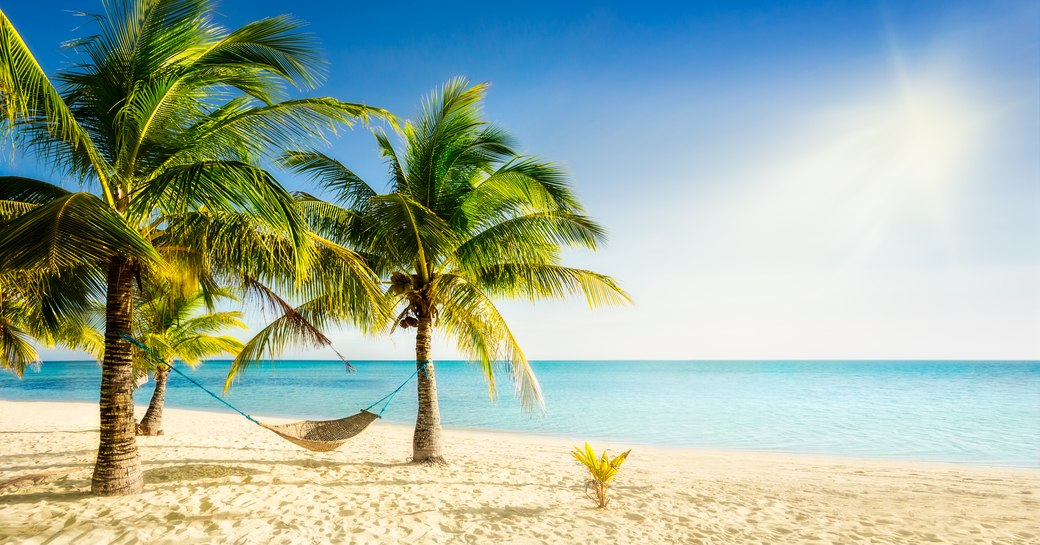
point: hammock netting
(323, 435)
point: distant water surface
(984, 413)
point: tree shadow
(5, 432)
(505, 512)
(209, 447)
(310, 463)
(61, 460)
(411, 482)
(384, 464)
(196, 472)
(50, 497)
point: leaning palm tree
(467, 220)
(177, 327)
(166, 114)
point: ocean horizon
(958, 411)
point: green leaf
(349, 189)
(31, 107)
(28, 190)
(69, 232)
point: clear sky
(780, 180)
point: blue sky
(780, 180)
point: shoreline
(218, 478)
(561, 437)
(905, 412)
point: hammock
(323, 435)
(313, 435)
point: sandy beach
(216, 478)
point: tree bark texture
(426, 443)
(151, 424)
(118, 468)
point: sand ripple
(214, 478)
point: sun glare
(931, 135)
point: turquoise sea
(984, 413)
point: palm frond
(536, 281)
(409, 230)
(240, 129)
(521, 186)
(398, 179)
(28, 190)
(225, 186)
(471, 319)
(223, 247)
(275, 45)
(31, 107)
(19, 195)
(535, 237)
(66, 301)
(330, 220)
(82, 334)
(292, 329)
(204, 324)
(344, 278)
(183, 327)
(348, 188)
(192, 351)
(17, 352)
(77, 230)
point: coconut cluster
(409, 287)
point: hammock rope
(314, 435)
(398, 389)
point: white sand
(216, 478)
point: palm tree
(467, 220)
(175, 327)
(167, 115)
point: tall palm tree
(467, 220)
(167, 115)
(177, 327)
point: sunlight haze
(779, 181)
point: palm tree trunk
(426, 443)
(118, 468)
(151, 424)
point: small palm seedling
(603, 470)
